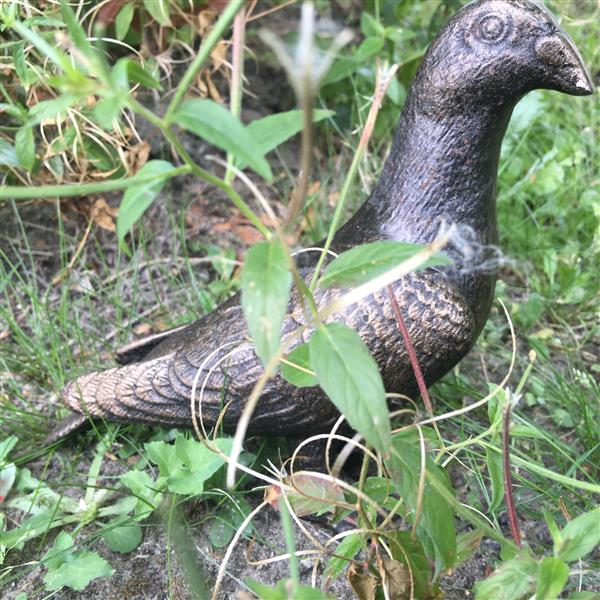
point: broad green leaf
(411, 553)
(363, 263)
(8, 154)
(123, 20)
(436, 524)
(25, 147)
(370, 26)
(106, 111)
(313, 495)
(26, 75)
(346, 550)
(159, 9)
(368, 47)
(466, 544)
(349, 376)
(219, 127)
(494, 465)
(579, 537)
(74, 569)
(138, 198)
(7, 478)
(584, 596)
(122, 536)
(144, 488)
(6, 445)
(552, 577)
(140, 75)
(271, 131)
(185, 466)
(299, 373)
(50, 109)
(282, 589)
(511, 581)
(266, 282)
(226, 521)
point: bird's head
(494, 51)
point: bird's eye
(491, 29)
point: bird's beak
(564, 68)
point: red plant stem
(508, 490)
(412, 355)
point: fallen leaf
(362, 582)
(333, 198)
(142, 329)
(103, 215)
(315, 186)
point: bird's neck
(443, 167)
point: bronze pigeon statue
(442, 168)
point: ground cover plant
(432, 506)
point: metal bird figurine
(442, 167)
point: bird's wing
(214, 357)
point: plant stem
(381, 85)
(81, 189)
(197, 169)
(205, 49)
(290, 543)
(508, 489)
(237, 75)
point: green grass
(548, 222)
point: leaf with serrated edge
(266, 282)
(349, 376)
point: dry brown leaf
(103, 215)
(396, 579)
(315, 186)
(205, 21)
(333, 198)
(218, 57)
(363, 583)
(212, 88)
(248, 234)
(142, 329)
(137, 156)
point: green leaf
(25, 147)
(436, 524)
(138, 198)
(74, 569)
(346, 550)
(412, 554)
(282, 591)
(26, 75)
(511, 581)
(368, 47)
(159, 10)
(349, 376)
(6, 445)
(299, 373)
(370, 26)
(579, 537)
(266, 282)
(106, 111)
(122, 536)
(143, 487)
(185, 466)
(224, 523)
(365, 262)
(123, 20)
(271, 131)
(8, 154)
(219, 127)
(50, 109)
(138, 74)
(494, 465)
(552, 577)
